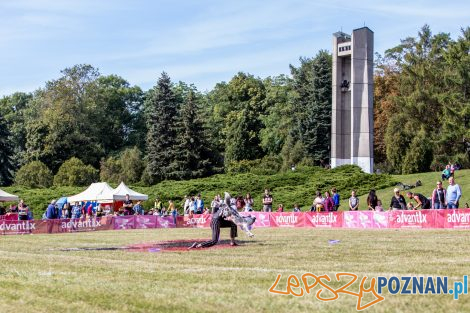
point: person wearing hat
(398, 202)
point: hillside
(287, 188)
(428, 180)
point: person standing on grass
(127, 205)
(248, 203)
(267, 201)
(438, 197)
(398, 202)
(329, 203)
(372, 200)
(51, 212)
(296, 208)
(23, 211)
(421, 201)
(336, 199)
(353, 201)
(453, 194)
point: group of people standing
(441, 198)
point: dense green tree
(6, 152)
(34, 175)
(15, 109)
(60, 126)
(193, 156)
(161, 136)
(111, 170)
(118, 113)
(132, 165)
(74, 172)
(278, 119)
(312, 105)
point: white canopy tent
(95, 192)
(122, 190)
(5, 196)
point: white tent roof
(5, 196)
(95, 192)
(122, 190)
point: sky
(200, 42)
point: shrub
(34, 175)
(74, 172)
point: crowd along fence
(457, 218)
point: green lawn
(36, 277)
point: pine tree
(6, 152)
(312, 106)
(193, 157)
(161, 134)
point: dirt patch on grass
(175, 245)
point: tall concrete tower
(352, 127)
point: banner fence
(429, 219)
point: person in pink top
(329, 204)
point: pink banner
(145, 221)
(9, 217)
(324, 219)
(365, 219)
(262, 219)
(22, 227)
(124, 222)
(196, 220)
(411, 219)
(165, 222)
(287, 219)
(455, 218)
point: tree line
(85, 126)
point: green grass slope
(428, 180)
(291, 187)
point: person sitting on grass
(421, 201)
(318, 203)
(446, 173)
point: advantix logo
(17, 226)
(412, 218)
(80, 224)
(405, 285)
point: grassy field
(37, 277)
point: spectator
(99, 210)
(171, 206)
(240, 203)
(51, 212)
(328, 203)
(192, 205)
(296, 208)
(446, 173)
(127, 205)
(248, 203)
(379, 207)
(66, 210)
(267, 201)
(199, 204)
(215, 205)
(453, 194)
(372, 200)
(187, 201)
(3, 211)
(138, 209)
(76, 210)
(23, 211)
(336, 199)
(280, 208)
(318, 203)
(174, 211)
(398, 202)
(421, 201)
(438, 197)
(353, 201)
(107, 210)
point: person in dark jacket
(398, 202)
(421, 201)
